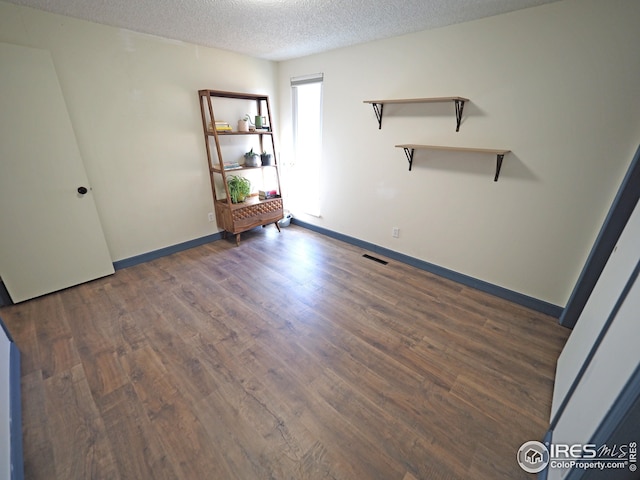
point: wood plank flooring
(289, 357)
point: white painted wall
(556, 84)
(133, 103)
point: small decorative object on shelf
(264, 195)
(252, 159)
(222, 127)
(260, 122)
(243, 124)
(266, 159)
(237, 209)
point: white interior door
(50, 234)
(596, 311)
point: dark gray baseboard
(501, 292)
(5, 299)
(163, 252)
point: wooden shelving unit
(411, 147)
(378, 106)
(236, 218)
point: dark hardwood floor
(289, 357)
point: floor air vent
(379, 260)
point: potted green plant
(265, 158)
(252, 159)
(239, 188)
(243, 124)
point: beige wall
(133, 103)
(556, 84)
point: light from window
(307, 143)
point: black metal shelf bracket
(459, 107)
(498, 166)
(377, 108)
(409, 153)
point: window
(307, 142)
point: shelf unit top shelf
(378, 106)
(409, 149)
(225, 94)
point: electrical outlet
(211, 217)
(395, 232)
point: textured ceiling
(278, 29)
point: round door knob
(82, 190)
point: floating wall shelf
(410, 148)
(378, 106)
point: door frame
(619, 213)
